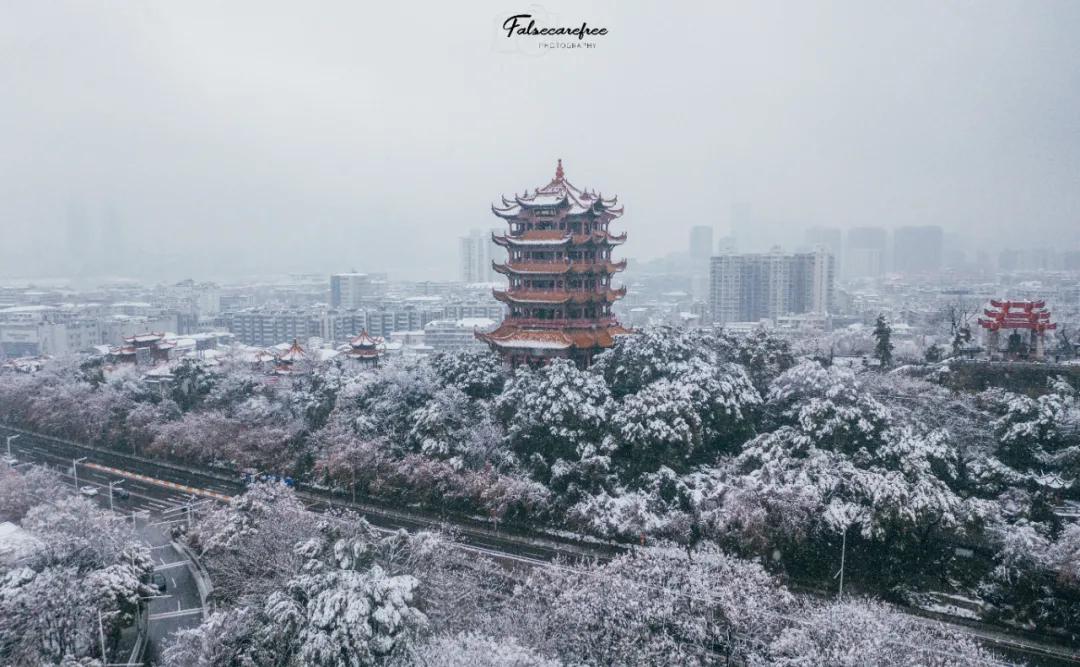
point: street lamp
(134, 523)
(75, 470)
(111, 485)
(9, 439)
(843, 558)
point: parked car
(88, 491)
(158, 581)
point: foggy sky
(211, 139)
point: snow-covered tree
(700, 411)
(21, 490)
(883, 347)
(336, 609)
(247, 546)
(857, 632)
(86, 563)
(656, 607)
(552, 412)
(474, 650)
(481, 375)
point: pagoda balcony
(556, 237)
(558, 267)
(559, 296)
(567, 323)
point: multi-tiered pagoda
(559, 268)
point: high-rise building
(830, 238)
(865, 254)
(918, 249)
(752, 287)
(476, 255)
(701, 249)
(701, 242)
(348, 290)
(560, 271)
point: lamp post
(843, 555)
(9, 439)
(75, 470)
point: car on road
(10, 460)
(88, 491)
(158, 581)
(121, 494)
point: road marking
(176, 614)
(166, 566)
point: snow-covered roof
(559, 192)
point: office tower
(701, 249)
(917, 249)
(701, 242)
(475, 255)
(865, 255)
(830, 238)
(752, 287)
(348, 290)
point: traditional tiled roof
(512, 336)
(543, 268)
(365, 347)
(364, 339)
(294, 353)
(148, 337)
(556, 237)
(537, 296)
(558, 193)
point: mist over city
(192, 138)
(603, 333)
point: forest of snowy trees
(327, 589)
(732, 456)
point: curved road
(152, 508)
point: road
(180, 606)
(148, 505)
(160, 487)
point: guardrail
(142, 637)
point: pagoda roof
(294, 353)
(556, 237)
(365, 340)
(561, 193)
(558, 297)
(511, 336)
(148, 337)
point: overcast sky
(210, 138)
